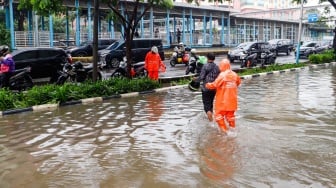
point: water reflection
(286, 138)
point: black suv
(44, 62)
(112, 55)
(248, 48)
(281, 46)
(85, 49)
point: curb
(49, 107)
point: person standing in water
(209, 73)
(226, 100)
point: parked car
(44, 62)
(312, 47)
(113, 55)
(281, 46)
(85, 48)
(235, 53)
(248, 48)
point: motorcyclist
(180, 48)
(7, 66)
(194, 64)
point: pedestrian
(7, 66)
(226, 101)
(156, 33)
(154, 64)
(178, 35)
(209, 73)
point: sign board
(312, 18)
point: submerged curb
(49, 107)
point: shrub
(315, 58)
(71, 91)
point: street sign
(312, 18)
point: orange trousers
(154, 75)
(223, 116)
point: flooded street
(286, 138)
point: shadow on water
(286, 138)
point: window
(25, 55)
(48, 53)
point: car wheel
(117, 74)
(143, 73)
(114, 63)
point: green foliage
(314, 58)
(270, 68)
(5, 35)
(325, 57)
(40, 95)
(7, 99)
(69, 91)
(42, 7)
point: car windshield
(113, 45)
(309, 44)
(243, 45)
(248, 45)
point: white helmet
(181, 43)
(193, 50)
(155, 49)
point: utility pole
(300, 33)
(95, 40)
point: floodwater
(286, 138)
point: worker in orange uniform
(226, 99)
(154, 64)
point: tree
(333, 3)
(129, 17)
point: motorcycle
(195, 64)
(21, 80)
(77, 72)
(180, 57)
(267, 58)
(137, 70)
(248, 60)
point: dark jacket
(209, 73)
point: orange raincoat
(154, 64)
(226, 101)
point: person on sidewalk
(226, 101)
(209, 73)
(154, 64)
